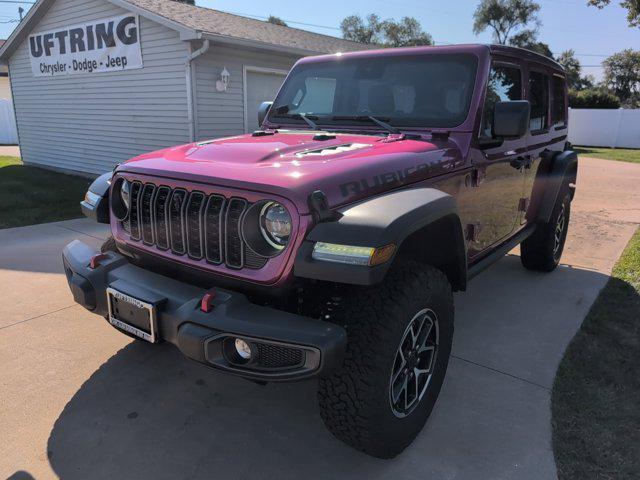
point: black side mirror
(511, 119)
(263, 111)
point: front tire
(399, 342)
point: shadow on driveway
(149, 413)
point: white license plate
(132, 315)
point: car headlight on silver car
(275, 224)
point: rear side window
(559, 103)
(539, 99)
(504, 84)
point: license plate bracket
(132, 315)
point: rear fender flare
(562, 169)
(387, 219)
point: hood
(346, 167)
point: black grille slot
(276, 356)
(160, 216)
(234, 245)
(176, 221)
(213, 227)
(195, 206)
(253, 260)
(134, 223)
(146, 215)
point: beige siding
(220, 114)
(90, 122)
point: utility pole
(20, 12)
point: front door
(496, 184)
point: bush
(593, 98)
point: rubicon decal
(107, 45)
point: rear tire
(399, 331)
(543, 249)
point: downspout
(191, 88)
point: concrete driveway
(79, 400)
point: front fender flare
(377, 222)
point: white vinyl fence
(604, 128)
(8, 129)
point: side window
(559, 104)
(504, 84)
(539, 98)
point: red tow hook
(97, 259)
(206, 304)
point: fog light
(243, 349)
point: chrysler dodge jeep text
(328, 243)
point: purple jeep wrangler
(328, 243)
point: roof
(217, 23)
(198, 22)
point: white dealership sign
(107, 45)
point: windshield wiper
(282, 111)
(363, 118)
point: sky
(566, 24)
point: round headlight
(121, 199)
(275, 224)
(125, 194)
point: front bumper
(288, 346)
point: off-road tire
(355, 402)
(541, 251)
(109, 245)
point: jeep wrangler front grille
(200, 226)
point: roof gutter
(191, 87)
(243, 42)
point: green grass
(596, 394)
(30, 195)
(619, 154)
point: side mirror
(263, 111)
(511, 119)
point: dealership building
(96, 82)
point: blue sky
(592, 33)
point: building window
(559, 105)
(504, 84)
(539, 99)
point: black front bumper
(287, 346)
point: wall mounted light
(222, 85)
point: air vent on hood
(334, 150)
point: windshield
(404, 91)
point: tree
(405, 33)
(632, 6)
(354, 28)
(593, 98)
(505, 17)
(573, 70)
(622, 76)
(529, 39)
(276, 21)
(388, 33)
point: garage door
(261, 87)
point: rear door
(261, 85)
(546, 91)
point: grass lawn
(30, 195)
(619, 154)
(596, 394)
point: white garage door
(261, 87)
